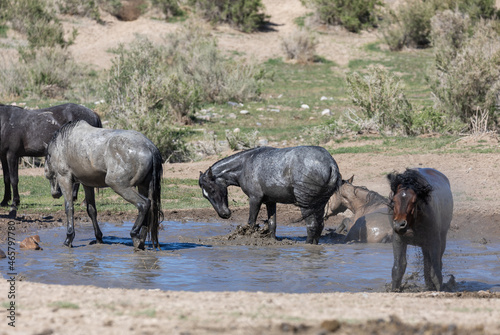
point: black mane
(411, 179)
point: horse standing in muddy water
(25, 132)
(306, 176)
(124, 160)
(371, 221)
(422, 211)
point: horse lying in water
(371, 220)
(124, 160)
(25, 132)
(422, 205)
(305, 176)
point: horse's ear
(350, 179)
(210, 174)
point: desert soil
(56, 309)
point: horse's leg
(6, 181)
(432, 267)
(254, 211)
(142, 204)
(66, 188)
(314, 224)
(13, 163)
(271, 218)
(91, 210)
(398, 269)
(76, 186)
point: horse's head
(404, 203)
(408, 189)
(215, 190)
(51, 176)
(339, 201)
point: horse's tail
(155, 215)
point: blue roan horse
(25, 132)
(423, 209)
(306, 176)
(124, 160)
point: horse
(305, 176)
(371, 221)
(422, 205)
(125, 160)
(25, 132)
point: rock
(276, 110)
(326, 112)
(263, 142)
(231, 116)
(304, 106)
(2, 254)
(243, 112)
(236, 130)
(323, 98)
(31, 243)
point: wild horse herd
(77, 150)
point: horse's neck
(229, 169)
(366, 201)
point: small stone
(31, 243)
(330, 325)
(244, 112)
(304, 106)
(326, 112)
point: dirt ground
(55, 309)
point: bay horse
(422, 205)
(371, 220)
(305, 176)
(25, 132)
(125, 160)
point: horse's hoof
(138, 244)
(4, 203)
(96, 242)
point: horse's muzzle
(400, 227)
(226, 214)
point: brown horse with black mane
(422, 202)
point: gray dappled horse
(371, 220)
(25, 132)
(423, 208)
(124, 160)
(305, 176)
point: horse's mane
(62, 132)
(410, 179)
(4, 105)
(233, 156)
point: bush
(38, 22)
(467, 76)
(300, 46)
(410, 24)
(380, 96)
(82, 8)
(354, 15)
(167, 84)
(42, 73)
(245, 15)
(170, 8)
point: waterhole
(193, 258)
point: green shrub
(379, 95)
(300, 45)
(170, 8)
(41, 73)
(39, 22)
(151, 87)
(410, 23)
(354, 15)
(467, 76)
(84, 8)
(245, 15)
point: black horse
(423, 209)
(25, 132)
(305, 176)
(125, 160)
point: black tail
(155, 215)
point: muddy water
(191, 259)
